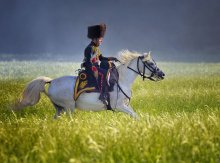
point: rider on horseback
(93, 57)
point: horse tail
(31, 94)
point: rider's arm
(88, 58)
(101, 58)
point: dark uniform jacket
(92, 58)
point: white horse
(61, 89)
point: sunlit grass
(179, 119)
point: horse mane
(125, 56)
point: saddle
(87, 83)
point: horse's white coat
(61, 90)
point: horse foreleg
(128, 110)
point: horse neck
(127, 76)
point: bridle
(146, 65)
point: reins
(144, 67)
(139, 73)
(129, 98)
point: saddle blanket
(83, 85)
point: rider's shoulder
(91, 48)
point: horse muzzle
(159, 75)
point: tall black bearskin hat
(96, 31)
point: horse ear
(147, 56)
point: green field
(179, 119)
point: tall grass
(180, 120)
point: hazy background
(174, 30)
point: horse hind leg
(59, 110)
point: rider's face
(98, 41)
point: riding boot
(103, 97)
(103, 93)
(109, 104)
(107, 99)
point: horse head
(147, 68)
(143, 65)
